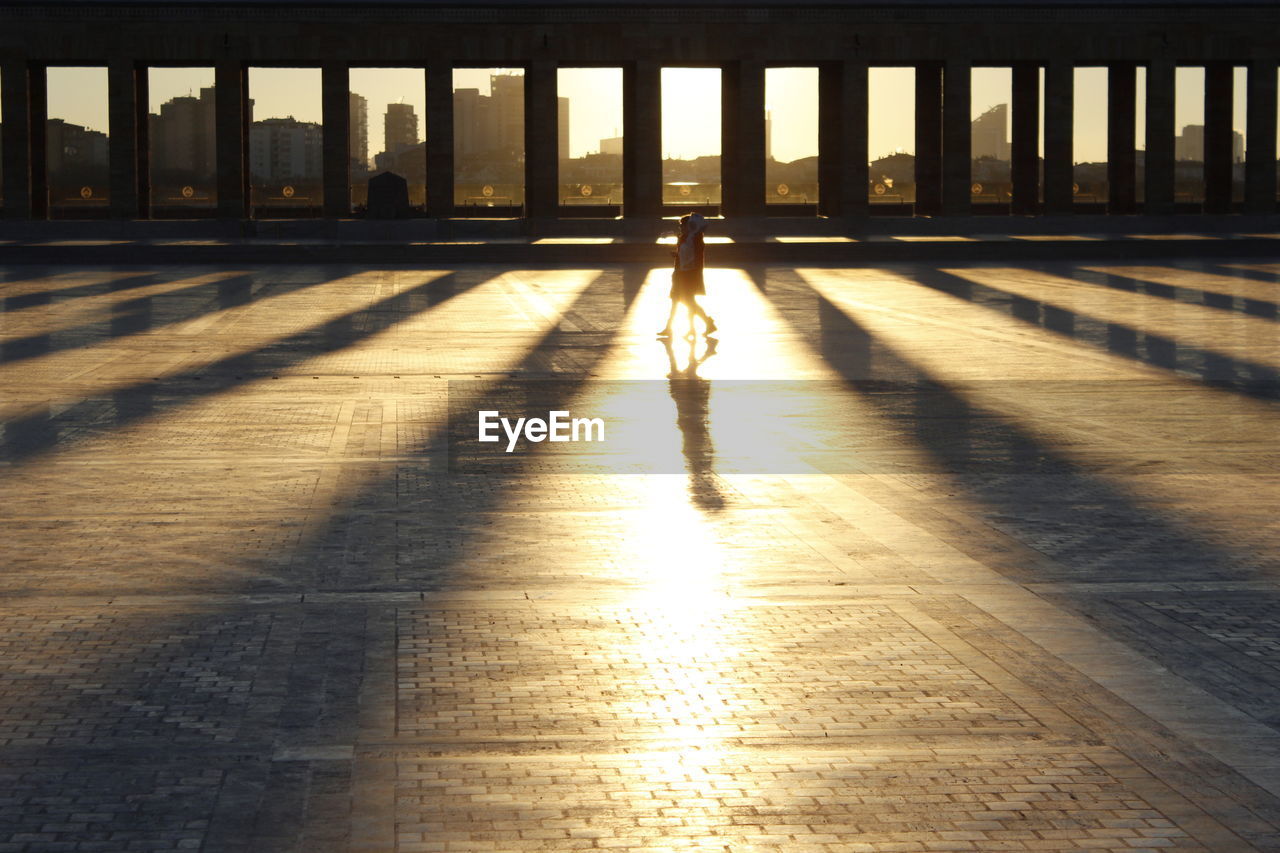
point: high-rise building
(506, 105)
(71, 147)
(1189, 145)
(182, 137)
(466, 122)
(401, 127)
(612, 145)
(990, 134)
(359, 109)
(492, 126)
(285, 150)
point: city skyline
(78, 95)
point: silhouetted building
(72, 147)
(1189, 144)
(612, 145)
(410, 163)
(401, 127)
(285, 149)
(507, 103)
(359, 107)
(990, 134)
(489, 125)
(182, 137)
(489, 133)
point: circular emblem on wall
(486, 191)
(880, 189)
(287, 192)
(86, 192)
(976, 188)
(1075, 189)
(586, 190)
(686, 190)
(188, 192)
(783, 189)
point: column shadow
(229, 724)
(134, 316)
(1092, 530)
(1180, 293)
(41, 430)
(1214, 369)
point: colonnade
(942, 131)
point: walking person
(686, 279)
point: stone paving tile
(248, 607)
(650, 672)
(712, 800)
(1227, 643)
(92, 679)
(121, 806)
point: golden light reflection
(1155, 456)
(1212, 283)
(1186, 323)
(293, 311)
(308, 431)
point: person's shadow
(692, 396)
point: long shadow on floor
(230, 725)
(1089, 527)
(1072, 525)
(135, 316)
(1218, 370)
(42, 429)
(451, 507)
(1179, 293)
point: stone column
(335, 106)
(127, 140)
(1158, 195)
(928, 139)
(1026, 138)
(439, 82)
(541, 132)
(742, 141)
(1260, 151)
(642, 139)
(231, 106)
(1217, 137)
(957, 161)
(1059, 127)
(1121, 129)
(21, 116)
(842, 139)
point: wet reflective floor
(907, 558)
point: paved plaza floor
(914, 557)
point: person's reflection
(692, 396)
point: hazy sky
(691, 109)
